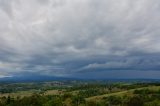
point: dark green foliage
(67, 95)
(144, 91)
(91, 103)
(90, 92)
(54, 102)
(135, 101)
(114, 100)
(77, 100)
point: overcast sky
(80, 38)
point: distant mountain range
(32, 78)
(41, 78)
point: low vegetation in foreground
(80, 93)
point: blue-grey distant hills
(32, 78)
(43, 78)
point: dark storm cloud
(65, 37)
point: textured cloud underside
(66, 37)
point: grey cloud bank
(80, 38)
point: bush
(135, 101)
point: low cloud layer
(75, 37)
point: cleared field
(29, 93)
(18, 94)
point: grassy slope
(121, 93)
